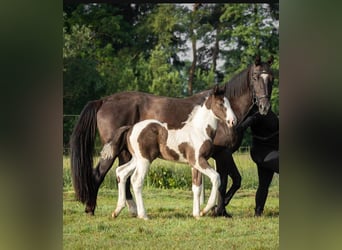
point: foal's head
(220, 106)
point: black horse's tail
(82, 149)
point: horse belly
(169, 149)
(171, 152)
(173, 144)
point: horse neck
(201, 118)
(240, 94)
(242, 104)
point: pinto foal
(191, 144)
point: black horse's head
(262, 82)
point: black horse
(249, 88)
(264, 152)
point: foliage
(171, 175)
(116, 47)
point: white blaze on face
(264, 77)
(231, 118)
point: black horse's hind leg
(265, 177)
(225, 166)
(99, 174)
(271, 161)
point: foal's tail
(82, 149)
(119, 140)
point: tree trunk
(216, 50)
(194, 51)
(193, 66)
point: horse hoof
(89, 211)
(202, 213)
(114, 215)
(132, 208)
(227, 215)
(258, 212)
(144, 217)
(221, 213)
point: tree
(110, 48)
(251, 30)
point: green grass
(171, 225)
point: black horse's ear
(257, 60)
(270, 60)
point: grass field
(171, 225)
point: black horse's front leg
(234, 173)
(225, 166)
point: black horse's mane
(238, 84)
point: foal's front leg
(196, 190)
(204, 167)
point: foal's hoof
(114, 215)
(132, 208)
(144, 217)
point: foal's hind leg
(122, 173)
(137, 182)
(124, 157)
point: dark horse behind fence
(248, 88)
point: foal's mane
(238, 84)
(193, 112)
